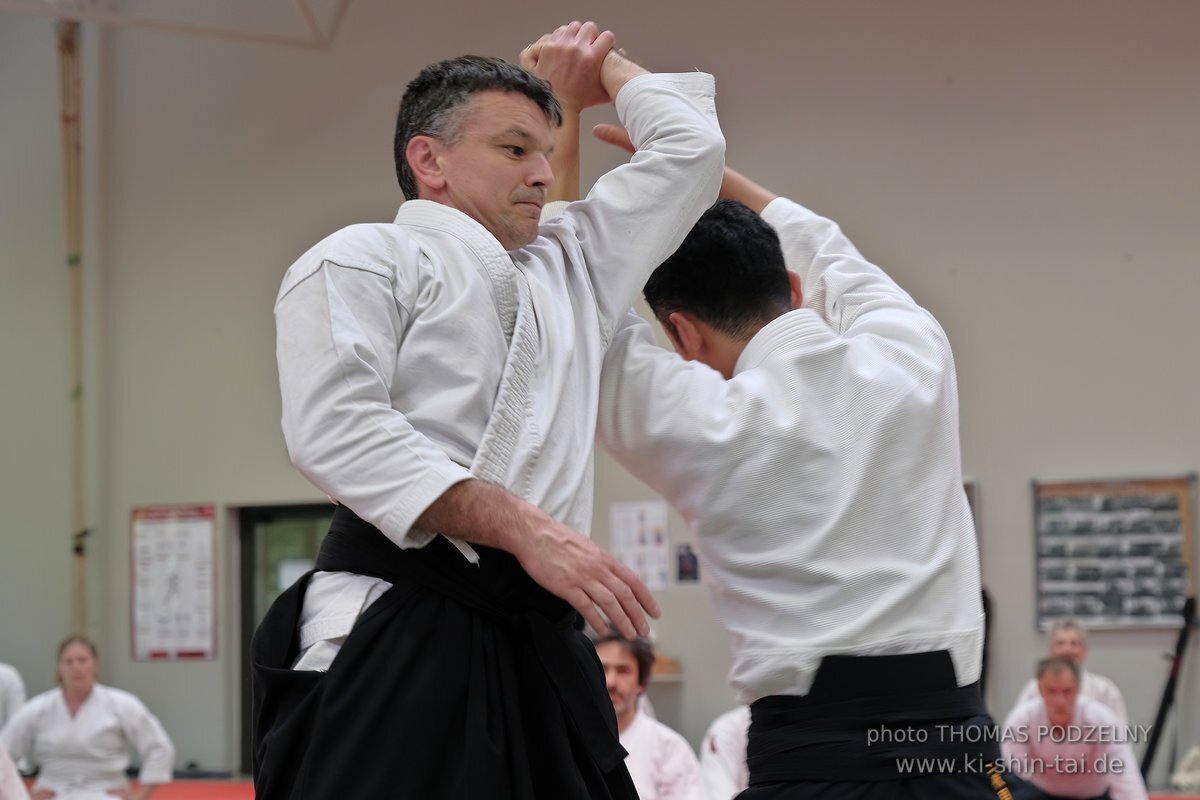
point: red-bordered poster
(173, 571)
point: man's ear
(689, 337)
(797, 295)
(423, 154)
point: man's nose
(541, 173)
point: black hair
(433, 102)
(729, 272)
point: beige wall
(1027, 169)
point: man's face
(621, 675)
(497, 170)
(1059, 688)
(1069, 643)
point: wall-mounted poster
(1114, 553)
(173, 573)
(639, 540)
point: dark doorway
(278, 544)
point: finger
(614, 135)
(531, 53)
(588, 32)
(603, 597)
(605, 41)
(568, 32)
(627, 598)
(641, 592)
(580, 601)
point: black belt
(501, 591)
(865, 715)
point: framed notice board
(173, 592)
(1114, 553)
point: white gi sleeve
(338, 329)
(12, 692)
(636, 215)
(148, 738)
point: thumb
(614, 135)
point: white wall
(1027, 169)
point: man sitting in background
(1069, 746)
(1068, 640)
(660, 761)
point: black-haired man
(809, 434)
(439, 379)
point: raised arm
(638, 213)
(571, 59)
(734, 185)
(837, 282)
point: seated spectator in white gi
(12, 693)
(1069, 746)
(660, 761)
(1068, 639)
(723, 767)
(80, 735)
(11, 785)
(12, 697)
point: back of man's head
(434, 102)
(729, 272)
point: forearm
(561, 560)
(618, 70)
(736, 186)
(837, 281)
(564, 159)
(483, 513)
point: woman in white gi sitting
(80, 735)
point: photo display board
(1114, 553)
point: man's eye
(515, 149)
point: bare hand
(571, 566)
(614, 135)
(562, 561)
(41, 794)
(570, 58)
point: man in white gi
(12, 692)
(439, 375)
(660, 761)
(723, 755)
(1069, 640)
(1069, 746)
(809, 435)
